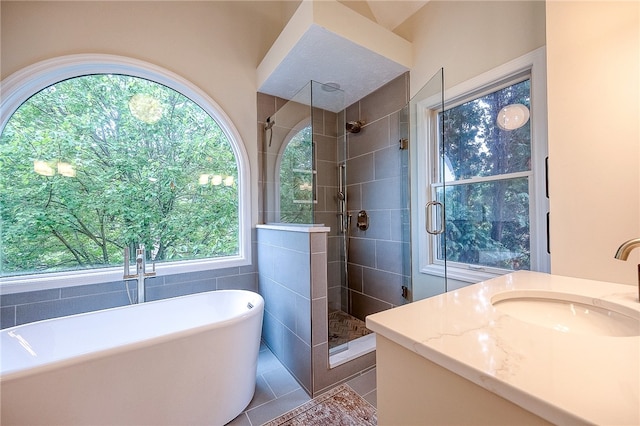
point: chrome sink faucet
(623, 254)
(141, 273)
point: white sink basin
(569, 313)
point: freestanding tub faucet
(141, 273)
(623, 254)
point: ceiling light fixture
(330, 87)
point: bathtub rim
(140, 344)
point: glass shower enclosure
(300, 158)
(305, 183)
(347, 168)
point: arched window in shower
(296, 176)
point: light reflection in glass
(43, 168)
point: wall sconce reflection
(216, 180)
(306, 187)
(45, 168)
(66, 169)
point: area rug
(340, 406)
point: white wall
(468, 38)
(593, 73)
(215, 45)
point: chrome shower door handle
(314, 186)
(428, 208)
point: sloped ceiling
(388, 14)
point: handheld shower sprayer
(268, 126)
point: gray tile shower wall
(285, 282)
(326, 211)
(377, 183)
(21, 308)
(295, 300)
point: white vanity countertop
(563, 377)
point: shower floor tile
(344, 328)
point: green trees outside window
(487, 174)
(296, 179)
(96, 163)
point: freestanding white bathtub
(187, 360)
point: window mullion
(480, 179)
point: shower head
(354, 126)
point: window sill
(20, 284)
(468, 275)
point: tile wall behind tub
(377, 181)
(21, 308)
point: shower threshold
(352, 350)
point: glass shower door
(428, 194)
(288, 165)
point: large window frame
(18, 87)
(532, 64)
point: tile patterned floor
(278, 392)
(343, 328)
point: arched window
(99, 153)
(296, 177)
